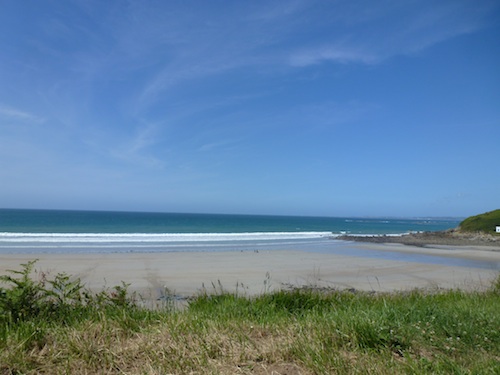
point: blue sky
(331, 108)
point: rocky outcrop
(452, 237)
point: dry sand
(250, 273)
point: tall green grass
(54, 325)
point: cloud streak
(11, 113)
(379, 39)
(335, 54)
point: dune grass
(56, 326)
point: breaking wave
(155, 237)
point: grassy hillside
(486, 222)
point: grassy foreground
(56, 326)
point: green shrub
(57, 298)
(25, 299)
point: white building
(498, 228)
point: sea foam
(156, 237)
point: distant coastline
(450, 237)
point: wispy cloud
(18, 114)
(336, 54)
(166, 46)
(375, 35)
(176, 46)
(139, 149)
(208, 147)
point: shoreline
(184, 275)
(450, 237)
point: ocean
(98, 232)
(35, 231)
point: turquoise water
(55, 221)
(53, 231)
(93, 231)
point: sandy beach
(250, 272)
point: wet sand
(250, 273)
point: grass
(56, 326)
(485, 222)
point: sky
(317, 108)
